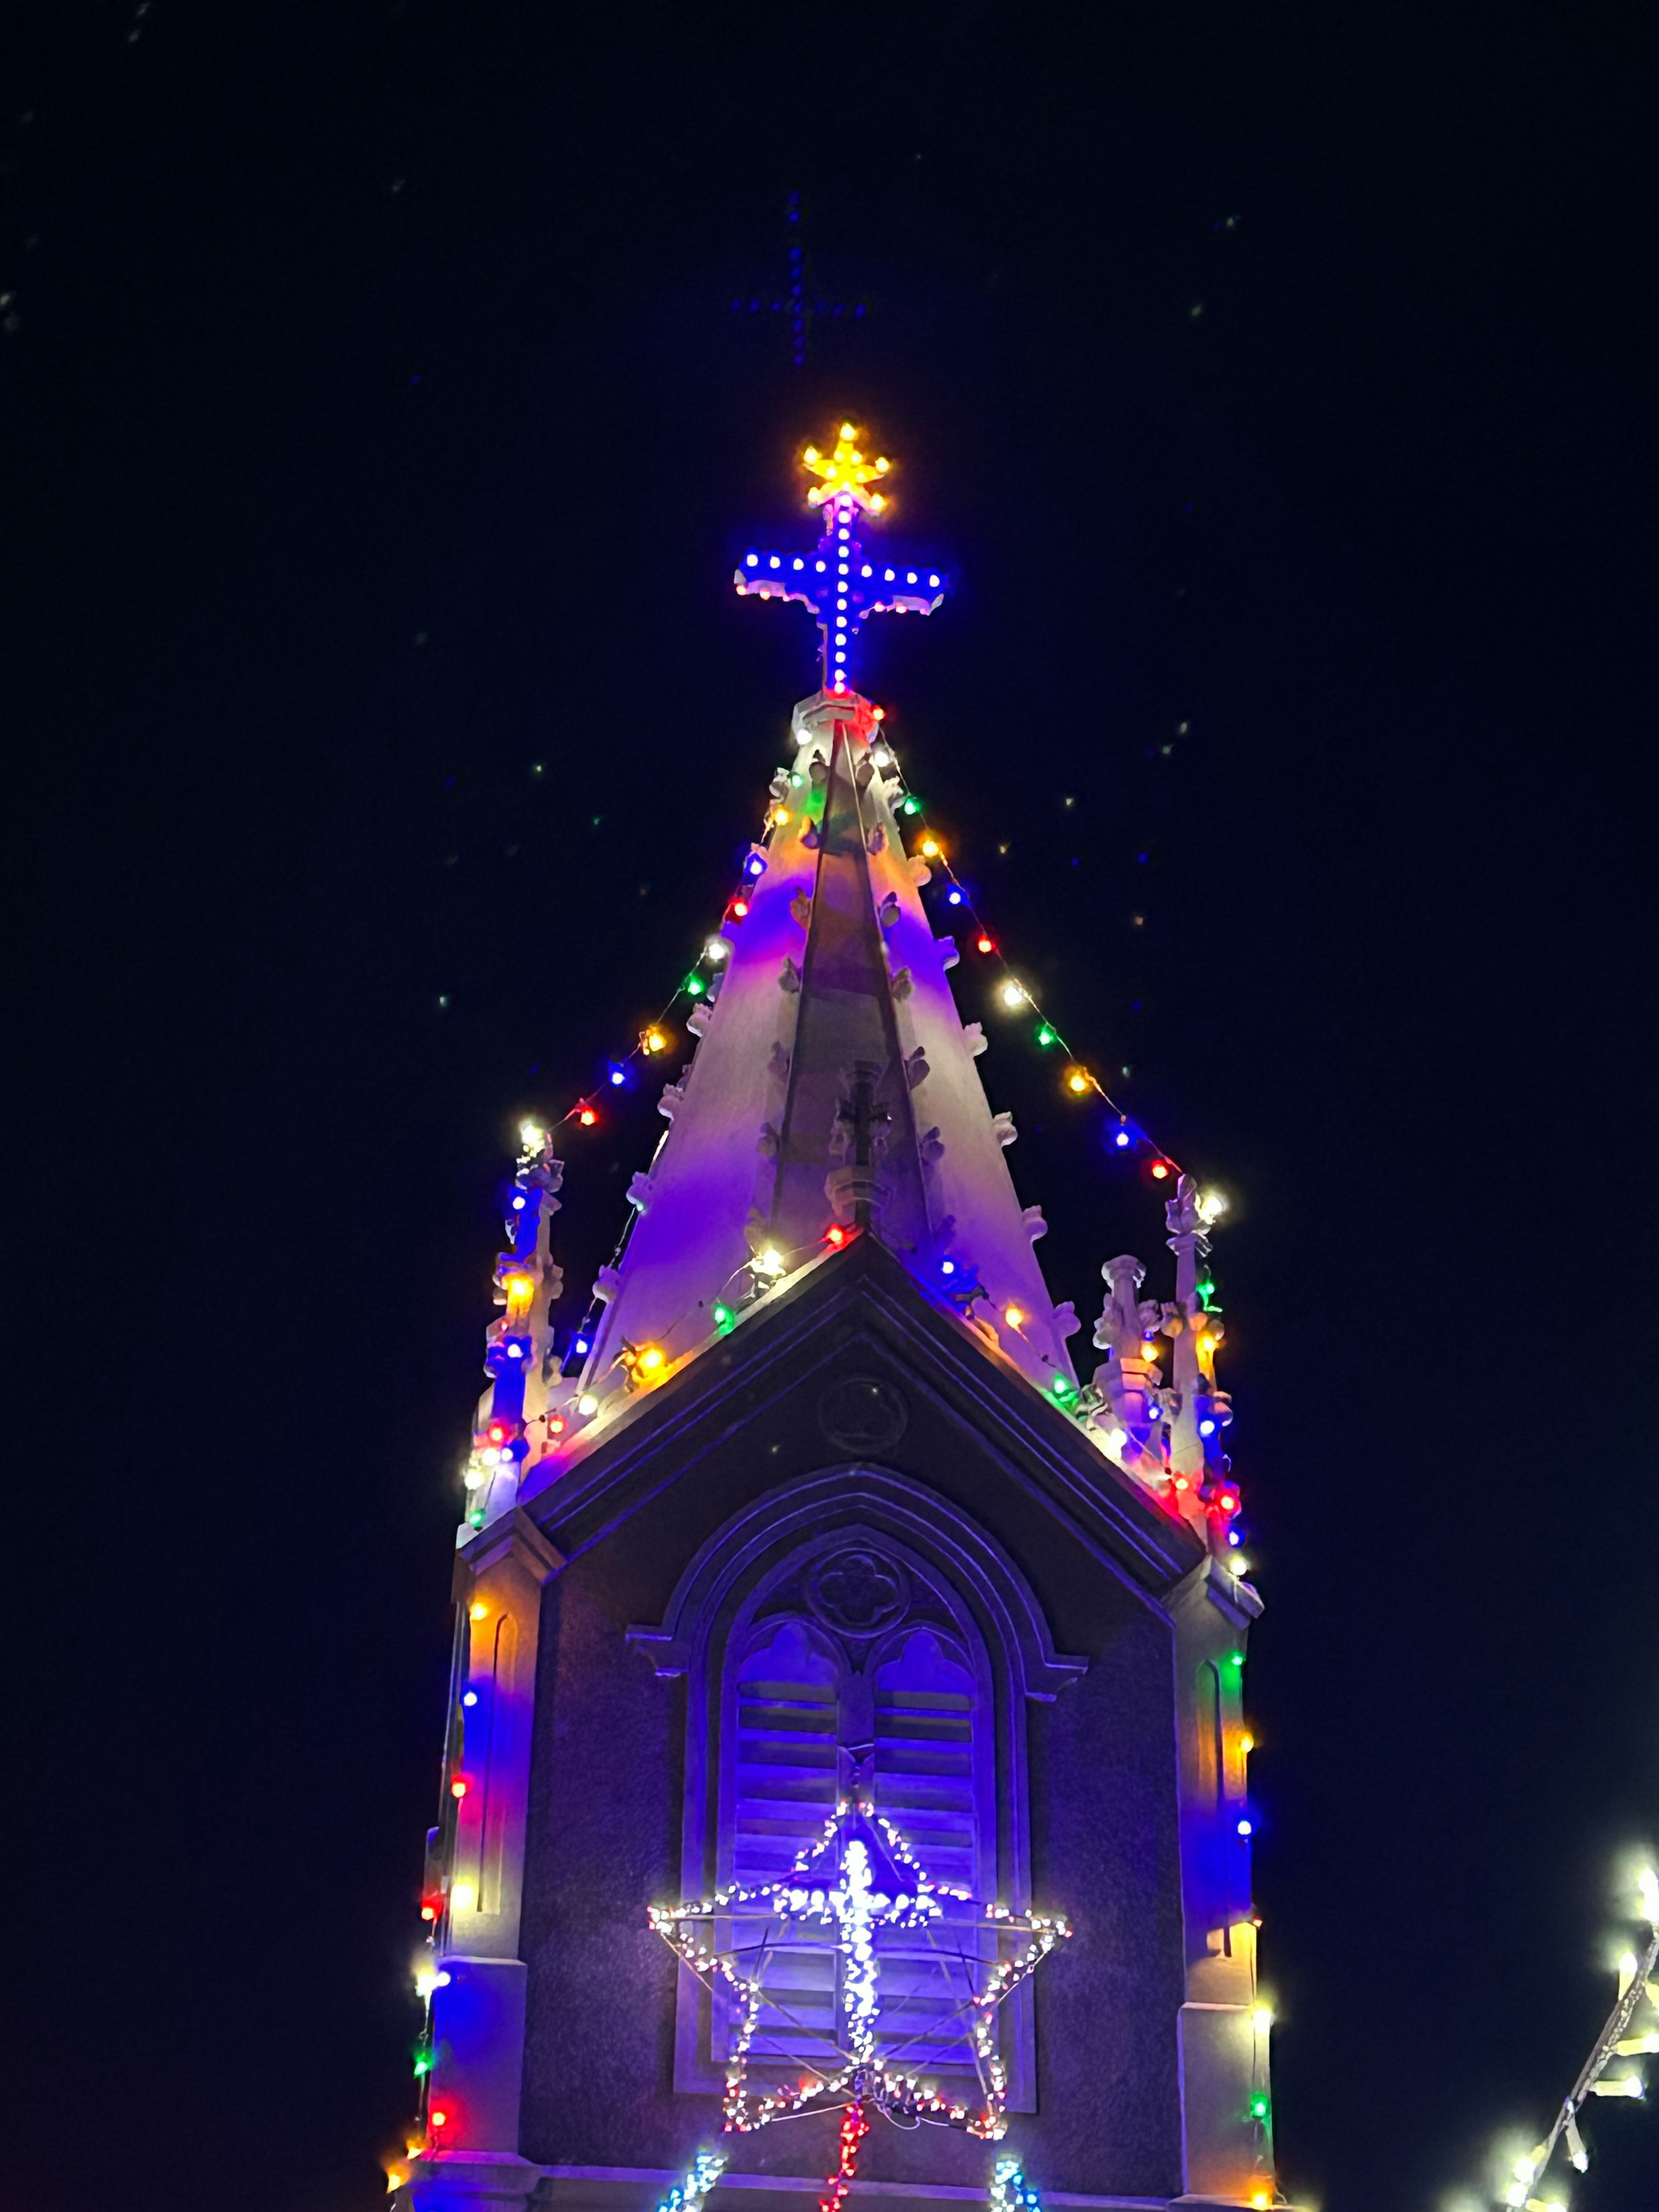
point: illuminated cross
(840, 581)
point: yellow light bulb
(478, 1611)
(811, 454)
(1014, 1316)
(849, 430)
(1261, 2019)
(1247, 1745)
(652, 1357)
(1078, 1081)
(654, 1041)
(463, 1897)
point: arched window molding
(930, 1675)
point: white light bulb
(463, 1897)
(587, 1403)
(717, 949)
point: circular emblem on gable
(859, 1414)
(857, 1591)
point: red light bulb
(984, 942)
(1162, 1170)
(588, 1117)
(440, 2119)
(740, 908)
(835, 1234)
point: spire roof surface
(833, 1091)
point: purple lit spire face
(842, 585)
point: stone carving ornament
(858, 1591)
(860, 1414)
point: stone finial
(1199, 1411)
(1129, 1376)
(1188, 1238)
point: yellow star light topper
(845, 472)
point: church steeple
(821, 1599)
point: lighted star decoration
(860, 1878)
(845, 472)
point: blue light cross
(842, 585)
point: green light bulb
(724, 1318)
(694, 987)
(1045, 1035)
(911, 807)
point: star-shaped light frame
(845, 472)
(834, 1882)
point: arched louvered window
(858, 1664)
(855, 1624)
(783, 1791)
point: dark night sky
(377, 428)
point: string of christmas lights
(1635, 1987)
(699, 985)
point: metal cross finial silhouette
(838, 580)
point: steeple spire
(832, 1090)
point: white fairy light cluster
(688, 2195)
(1010, 2190)
(1637, 1987)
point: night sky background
(384, 735)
